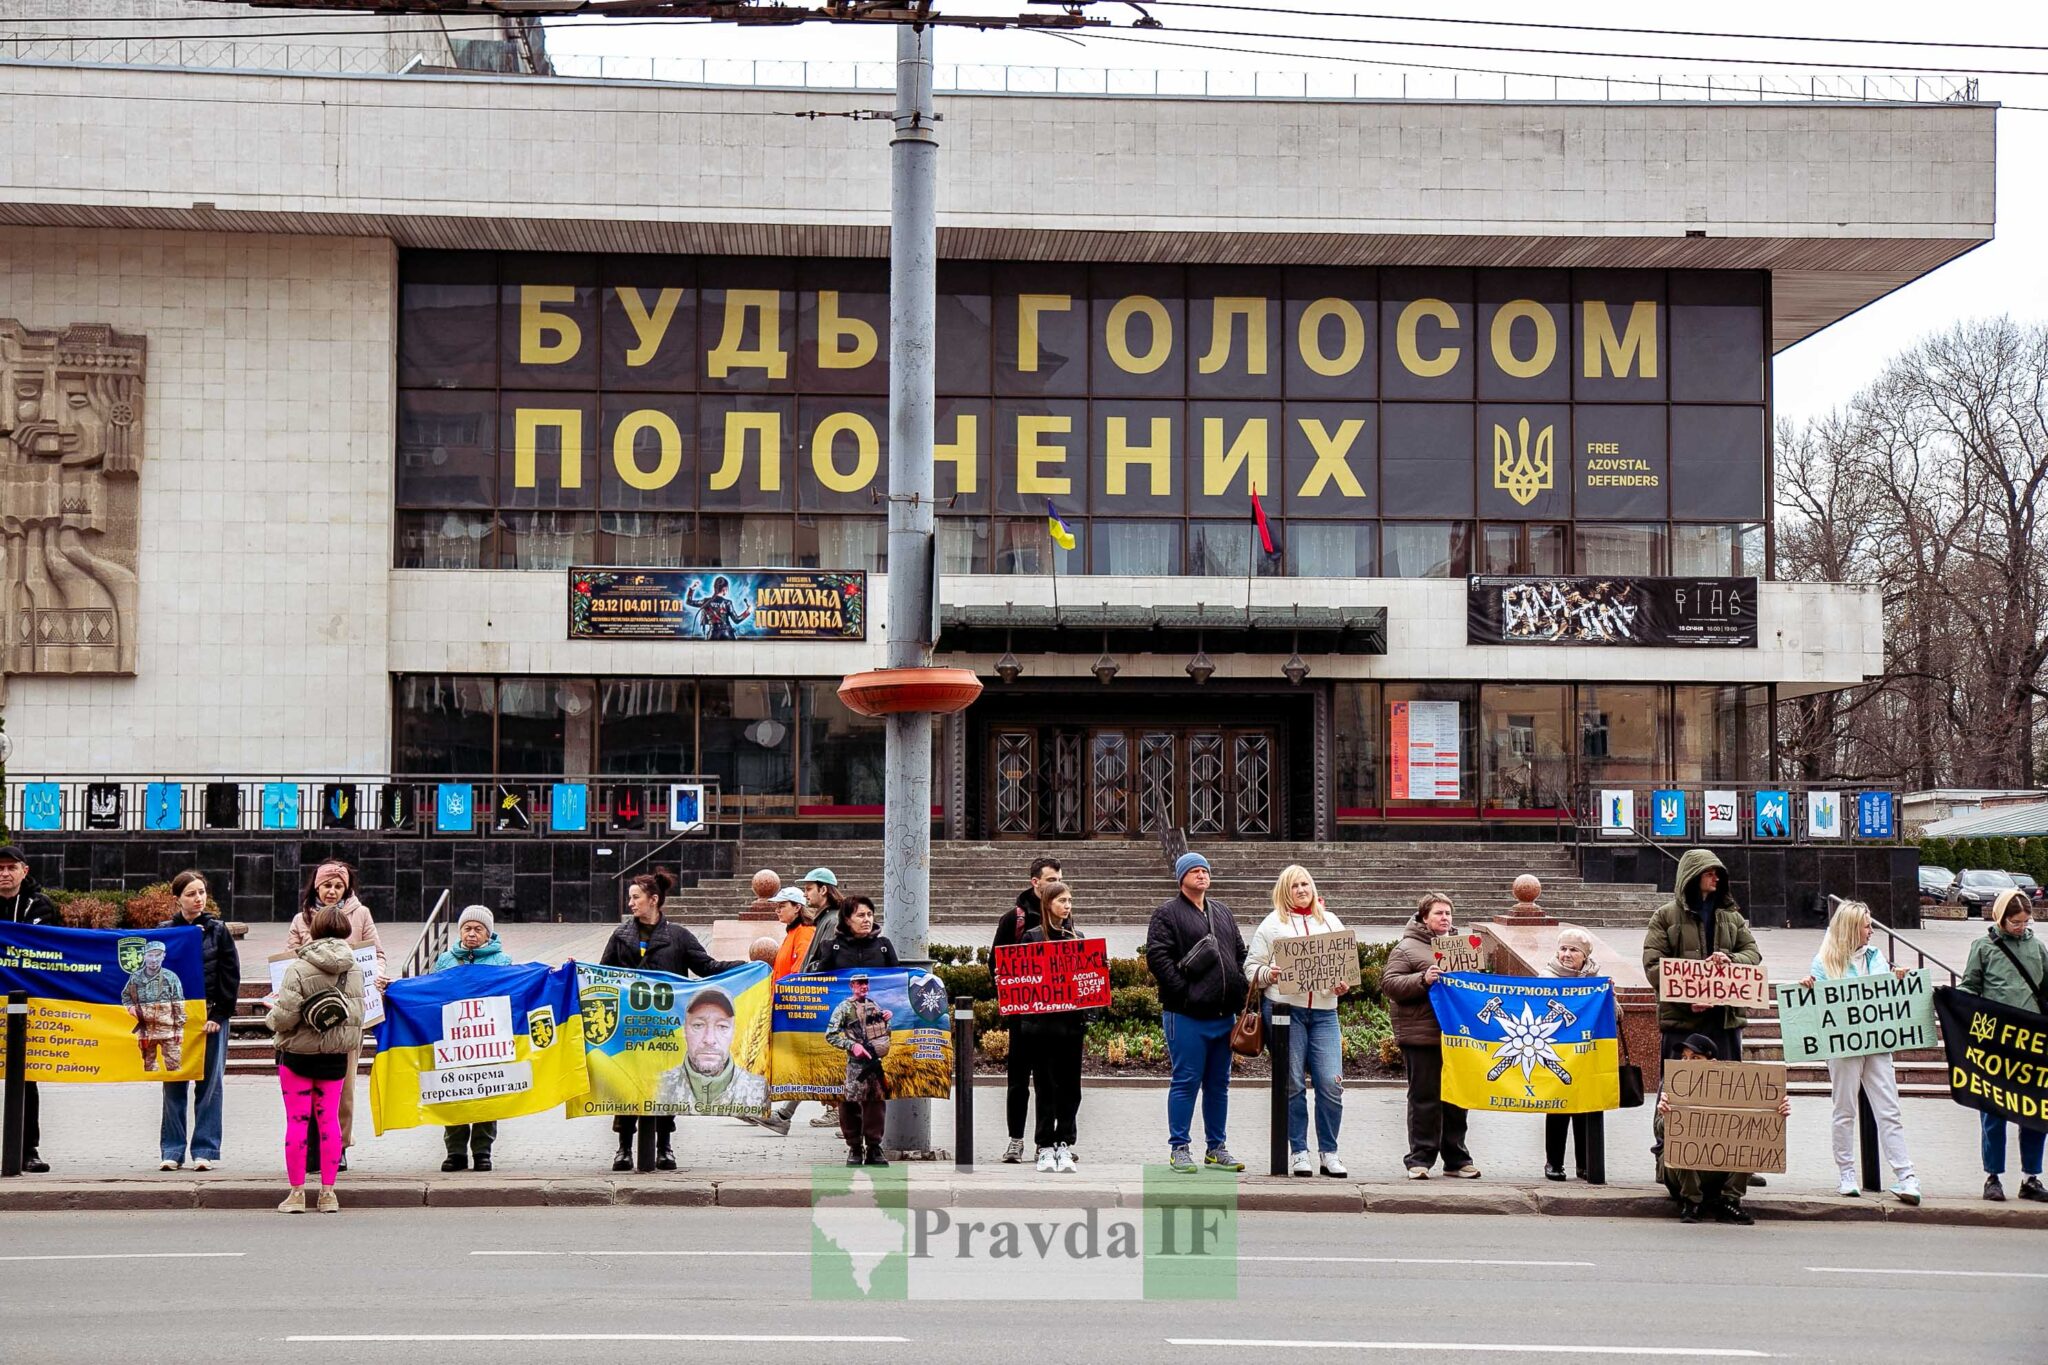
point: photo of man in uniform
(157, 1000)
(709, 1081)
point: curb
(1254, 1194)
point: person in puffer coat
(1435, 1129)
(318, 1023)
(476, 945)
(1700, 922)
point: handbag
(1630, 1074)
(1248, 1034)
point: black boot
(875, 1157)
(1688, 1212)
(481, 1161)
(456, 1142)
(624, 1160)
(853, 1154)
(664, 1158)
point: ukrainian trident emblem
(1520, 472)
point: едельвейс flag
(1531, 1044)
(108, 1004)
(472, 1044)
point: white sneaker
(167, 1165)
(202, 1165)
(1334, 1167)
(1418, 1172)
(1849, 1188)
(1061, 1160)
(1300, 1164)
(1047, 1159)
(1907, 1191)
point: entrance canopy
(1079, 628)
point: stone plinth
(1522, 947)
(1526, 909)
(731, 939)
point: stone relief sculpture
(70, 452)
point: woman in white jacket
(1316, 1043)
(1847, 952)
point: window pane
(746, 731)
(963, 544)
(1547, 549)
(540, 721)
(1500, 550)
(842, 543)
(1226, 549)
(1705, 550)
(1427, 549)
(547, 540)
(1135, 547)
(754, 540)
(646, 725)
(1751, 564)
(1465, 695)
(447, 449)
(443, 724)
(1330, 549)
(1527, 758)
(1355, 718)
(1721, 734)
(1024, 546)
(1623, 735)
(842, 751)
(1620, 549)
(655, 540)
(444, 540)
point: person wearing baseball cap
(821, 893)
(1197, 956)
(23, 901)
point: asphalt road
(663, 1284)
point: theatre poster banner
(716, 604)
(1610, 611)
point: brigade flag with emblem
(665, 1044)
(1997, 1056)
(108, 1004)
(473, 1044)
(1528, 1044)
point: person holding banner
(318, 1023)
(468, 1145)
(1315, 1042)
(223, 976)
(1016, 922)
(1574, 958)
(821, 893)
(1701, 922)
(649, 940)
(1847, 952)
(1717, 1194)
(1054, 1043)
(1435, 1128)
(333, 885)
(2009, 966)
(23, 901)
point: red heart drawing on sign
(1473, 940)
(1439, 957)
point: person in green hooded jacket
(1702, 922)
(2010, 965)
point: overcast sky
(2008, 275)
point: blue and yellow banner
(108, 1004)
(918, 1064)
(1527, 1043)
(472, 1044)
(664, 1044)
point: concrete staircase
(1922, 1072)
(1121, 883)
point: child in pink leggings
(318, 1021)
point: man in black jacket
(22, 902)
(1010, 930)
(1197, 956)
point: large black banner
(1610, 611)
(1997, 1056)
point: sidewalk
(101, 1142)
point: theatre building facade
(1304, 469)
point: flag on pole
(1267, 544)
(1056, 528)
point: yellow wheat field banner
(473, 1044)
(108, 1004)
(814, 1018)
(1528, 1043)
(664, 1044)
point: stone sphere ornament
(1527, 889)
(766, 884)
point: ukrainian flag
(1056, 528)
(108, 1004)
(472, 1044)
(1528, 1044)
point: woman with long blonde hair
(1847, 952)
(1315, 1040)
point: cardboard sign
(1323, 963)
(1857, 1016)
(1724, 1116)
(366, 963)
(1688, 981)
(1053, 977)
(1458, 952)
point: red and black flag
(1269, 545)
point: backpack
(324, 1010)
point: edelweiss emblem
(1527, 1042)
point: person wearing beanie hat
(2010, 965)
(1718, 1194)
(476, 945)
(1197, 954)
(23, 901)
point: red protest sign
(1053, 977)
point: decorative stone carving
(70, 452)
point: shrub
(84, 910)
(946, 954)
(1129, 971)
(1148, 1047)
(1372, 965)
(150, 908)
(967, 979)
(1390, 1054)
(1137, 1004)
(995, 1044)
(984, 1017)
(1117, 1052)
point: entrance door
(1121, 782)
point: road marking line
(721, 1255)
(1514, 1348)
(135, 1256)
(1970, 1274)
(1414, 1260)
(591, 1336)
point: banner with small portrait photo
(108, 1005)
(811, 1008)
(670, 1045)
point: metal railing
(1894, 941)
(506, 806)
(257, 53)
(434, 938)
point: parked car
(2035, 891)
(1977, 887)
(1934, 884)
